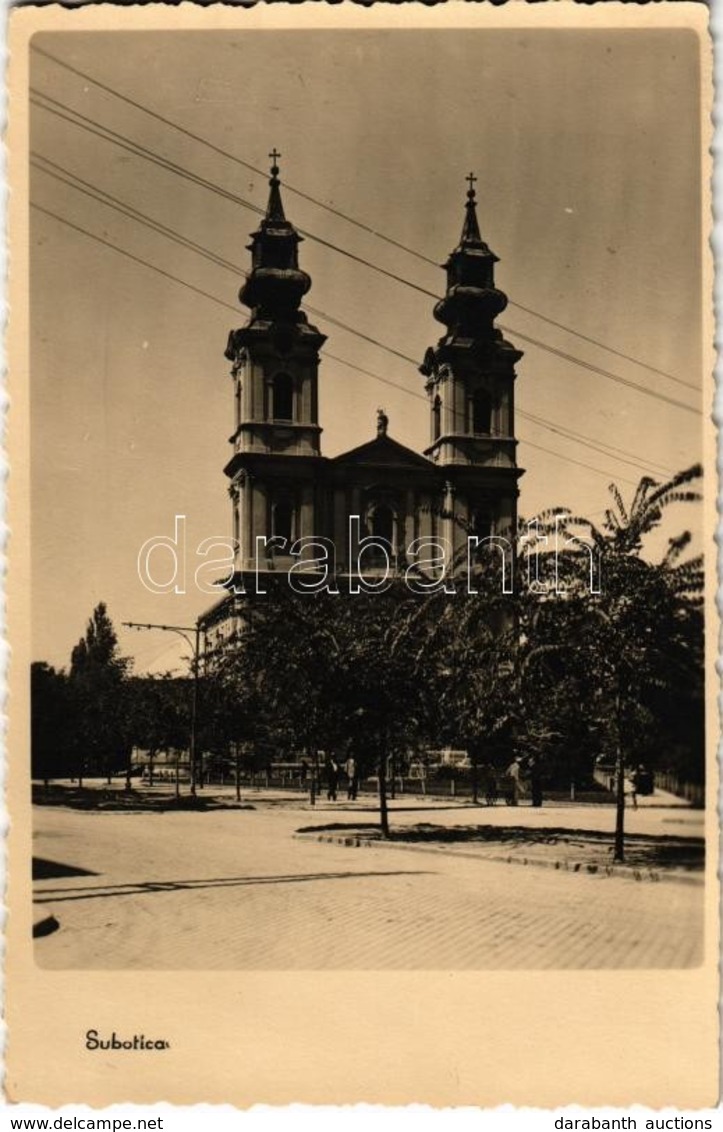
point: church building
(287, 498)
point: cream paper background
(526, 1037)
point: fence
(693, 792)
(438, 783)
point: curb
(561, 865)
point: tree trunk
(383, 812)
(314, 777)
(619, 853)
(237, 771)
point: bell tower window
(481, 523)
(282, 398)
(282, 520)
(437, 418)
(481, 412)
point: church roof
(383, 452)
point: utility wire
(135, 258)
(337, 212)
(111, 135)
(220, 302)
(128, 144)
(523, 440)
(120, 140)
(528, 416)
(100, 195)
(604, 373)
(119, 206)
(133, 213)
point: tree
(639, 636)
(158, 715)
(272, 684)
(50, 755)
(333, 673)
(474, 652)
(97, 695)
(382, 663)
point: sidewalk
(684, 865)
(661, 815)
(661, 841)
(664, 836)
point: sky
(586, 146)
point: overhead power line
(88, 189)
(52, 169)
(523, 440)
(603, 372)
(133, 147)
(110, 201)
(129, 255)
(220, 302)
(337, 212)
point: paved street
(234, 889)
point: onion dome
(472, 301)
(276, 284)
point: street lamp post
(195, 645)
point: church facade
(373, 506)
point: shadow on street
(100, 892)
(50, 870)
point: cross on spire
(275, 209)
(470, 231)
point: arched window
(437, 418)
(282, 521)
(481, 412)
(282, 398)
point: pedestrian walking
(514, 771)
(332, 779)
(352, 779)
(535, 781)
(642, 781)
(630, 790)
(638, 784)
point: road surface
(233, 889)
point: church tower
(275, 361)
(470, 376)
